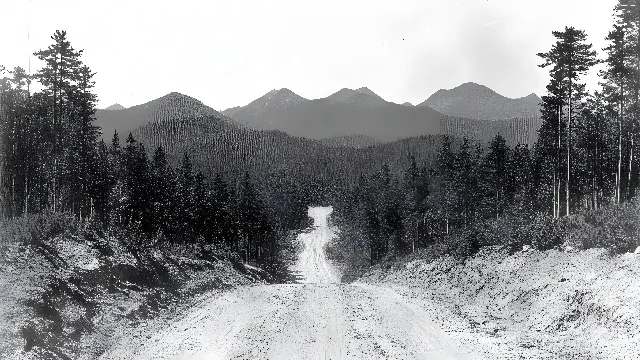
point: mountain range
(322, 142)
(344, 113)
(352, 118)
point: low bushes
(615, 228)
(32, 228)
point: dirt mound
(73, 295)
(549, 304)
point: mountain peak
(174, 99)
(167, 107)
(471, 86)
(276, 99)
(341, 95)
(476, 101)
(365, 90)
(175, 95)
(362, 95)
(283, 93)
(115, 106)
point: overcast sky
(228, 53)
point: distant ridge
(475, 101)
(362, 96)
(343, 115)
(170, 106)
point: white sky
(228, 53)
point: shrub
(576, 231)
(614, 228)
(619, 231)
(543, 233)
(505, 231)
(460, 245)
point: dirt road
(318, 319)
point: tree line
(398, 213)
(588, 141)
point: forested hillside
(523, 130)
(170, 106)
(287, 168)
(354, 141)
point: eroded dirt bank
(532, 305)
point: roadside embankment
(68, 293)
(530, 304)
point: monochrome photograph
(355, 179)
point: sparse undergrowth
(67, 290)
(614, 228)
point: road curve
(312, 265)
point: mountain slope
(474, 101)
(170, 106)
(344, 113)
(220, 147)
(352, 141)
(521, 130)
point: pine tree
(570, 57)
(59, 77)
(520, 190)
(615, 77)
(100, 184)
(465, 182)
(448, 197)
(224, 228)
(628, 16)
(186, 211)
(496, 174)
(202, 221)
(164, 190)
(255, 229)
(4, 84)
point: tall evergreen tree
(569, 58)
(616, 76)
(496, 175)
(628, 16)
(59, 77)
